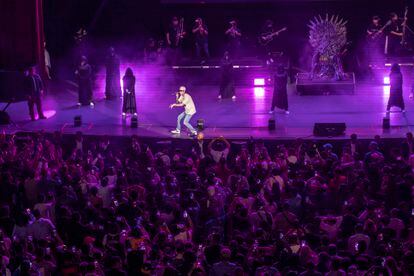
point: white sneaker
(175, 131)
(194, 133)
(233, 98)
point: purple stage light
(386, 90)
(259, 82)
(259, 92)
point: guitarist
(269, 47)
(374, 30)
(375, 39)
(174, 37)
(394, 36)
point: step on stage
(307, 86)
(362, 112)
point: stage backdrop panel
(21, 34)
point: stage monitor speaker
(200, 124)
(329, 129)
(4, 118)
(77, 121)
(134, 122)
(386, 123)
(271, 124)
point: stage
(247, 116)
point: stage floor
(247, 116)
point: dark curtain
(21, 34)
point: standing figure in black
(129, 105)
(280, 98)
(375, 40)
(34, 91)
(174, 37)
(396, 89)
(233, 36)
(200, 32)
(394, 36)
(113, 79)
(84, 75)
(227, 79)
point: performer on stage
(375, 40)
(183, 99)
(233, 36)
(394, 36)
(268, 47)
(34, 90)
(280, 98)
(129, 105)
(396, 89)
(113, 79)
(84, 74)
(227, 89)
(174, 38)
(200, 32)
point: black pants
(32, 101)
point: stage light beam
(259, 82)
(259, 92)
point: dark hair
(128, 72)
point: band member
(227, 79)
(113, 83)
(183, 99)
(280, 98)
(152, 51)
(174, 38)
(396, 89)
(175, 33)
(200, 32)
(84, 75)
(34, 90)
(233, 36)
(375, 40)
(268, 47)
(374, 28)
(129, 105)
(394, 36)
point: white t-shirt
(188, 103)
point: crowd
(94, 207)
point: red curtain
(21, 34)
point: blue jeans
(202, 46)
(187, 118)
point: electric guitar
(376, 34)
(266, 38)
(180, 32)
(404, 30)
